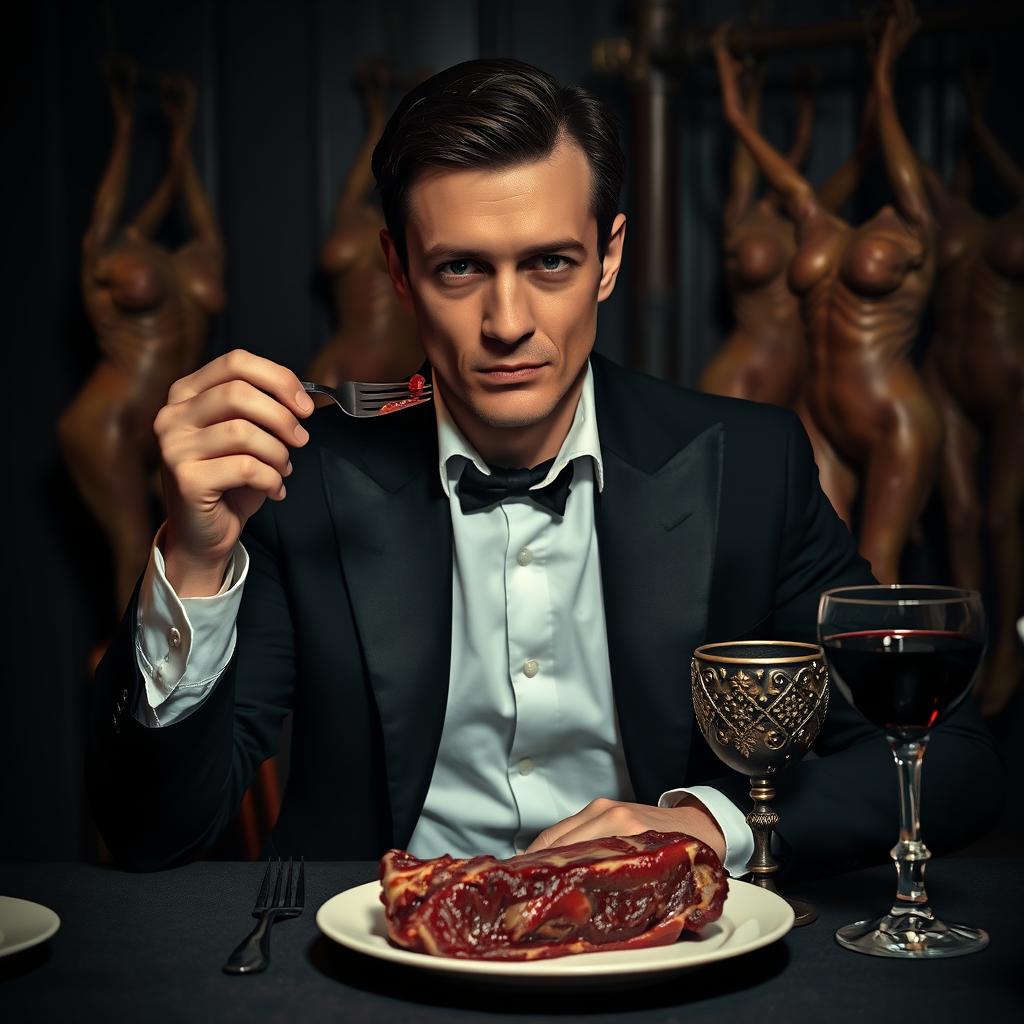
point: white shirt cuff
(183, 645)
(739, 840)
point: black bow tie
(476, 490)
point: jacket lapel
(393, 528)
(657, 521)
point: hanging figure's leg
(838, 480)
(898, 481)
(958, 482)
(100, 439)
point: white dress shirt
(530, 734)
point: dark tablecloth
(149, 948)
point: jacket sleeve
(161, 795)
(838, 808)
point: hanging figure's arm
(743, 171)
(803, 106)
(178, 100)
(121, 75)
(938, 193)
(796, 192)
(901, 161)
(943, 195)
(198, 208)
(373, 84)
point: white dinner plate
(752, 917)
(24, 924)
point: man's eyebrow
(447, 251)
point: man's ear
(612, 257)
(399, 278)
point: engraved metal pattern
(759, 819)
(759, 717)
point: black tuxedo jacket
(711, 526)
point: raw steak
(625, 892)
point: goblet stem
(910, 853)
(762, 820)
(762, 866)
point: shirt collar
(581, 441)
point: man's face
(504, 280)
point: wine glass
(905, 656)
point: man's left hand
(603, 817)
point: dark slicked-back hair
(494, 114)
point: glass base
(915, 934)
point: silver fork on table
(287, 900)
(362, 399)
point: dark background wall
(277, 125)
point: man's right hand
(224, 438)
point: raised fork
(288, 898)
(362, 399)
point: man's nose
(507, 314)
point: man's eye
(551, 263)
(457, 268)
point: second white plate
(24, 924)
(752, 918)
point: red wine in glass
(905, 656)
(904, 680)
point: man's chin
(510, 419)
(516, 409)
(511, 409)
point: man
(471, 672)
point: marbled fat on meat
(626, 892)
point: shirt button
(525, 557)
(525, 766)
(174, 637)
(531, 668)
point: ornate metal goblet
(760, 705)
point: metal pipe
(690, 45)
(655, 308)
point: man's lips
(511, 371)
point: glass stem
(910, 853)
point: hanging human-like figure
(975, 367)
(764, 357)
(862, 291)
(150, 308)
(375, 337)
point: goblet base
(911, 934)
(804, 912)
